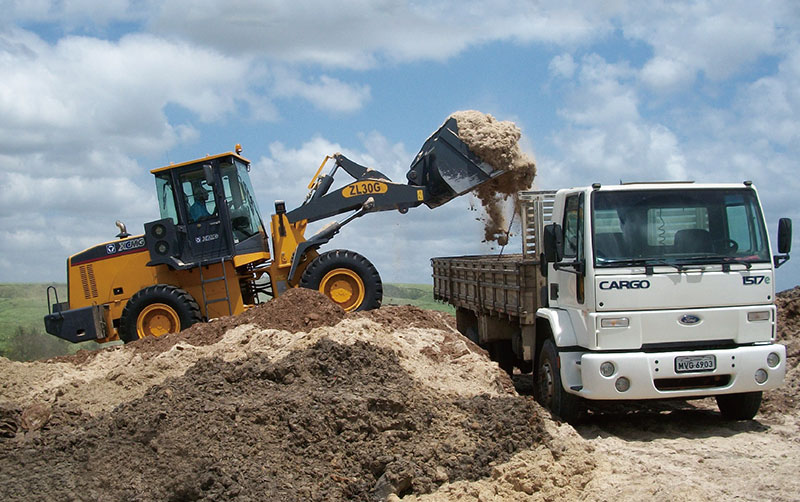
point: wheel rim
(157, 319)
(546, 383)
(344, 287)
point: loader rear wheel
(156, 311)
(347, 278)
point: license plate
(689, 364)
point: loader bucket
(447, 167)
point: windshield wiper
(725, 261)
(647, 263)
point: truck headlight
(607, 369)
(761, 315)
(761, 376)
(773, 360)
(622, 384)
(615, 322)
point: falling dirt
(378, 405)
(497, 143)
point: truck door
(569, 275)
(207, 239)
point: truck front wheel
(742, 406)
(548, 389)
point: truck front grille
(696, 382)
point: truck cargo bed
(495, 285)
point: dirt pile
(329, 422)
(382, 404)
(497, 143)
(785, 398)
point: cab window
(198, 196)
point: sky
(94, 94)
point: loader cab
(208, 213)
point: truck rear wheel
(157, 310)
(742, 406)
(347, 278)
(548, 389)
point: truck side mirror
(553, 243)
(209, 174)
(784, 235)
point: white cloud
(715, 38)
(324, 92)
(562, 66)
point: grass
(23, 307)
(419, 295)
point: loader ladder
(224, 278)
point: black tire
(366, 292)
(173, 305)
(500, 352)
(742, 406)
(548, 389)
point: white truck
(630, 292)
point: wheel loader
(209, 254)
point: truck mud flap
(77, 325)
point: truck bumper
(659, 375)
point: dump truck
(209, 255)
(630, 292)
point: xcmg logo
(643, 284)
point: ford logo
(689, 319)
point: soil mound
(785, 398)
(330, 422)
(497, 143)
(298, 309)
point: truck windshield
(245, 218)
(677, 227)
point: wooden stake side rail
(506, 286)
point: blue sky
(95, 94)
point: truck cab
(630, 292)
(663, 290)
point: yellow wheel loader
(209, 254)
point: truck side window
(573, 227)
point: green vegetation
(419, 295)
(23, 307)
(22, 335)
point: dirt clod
(497, 143)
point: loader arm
(443, 169)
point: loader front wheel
(156, 311)
(347, 278)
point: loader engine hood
(447, 167)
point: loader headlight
(773, 360)
(761, 376)
(159, 231)
(607, 369)
(622, 384)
